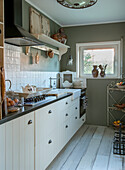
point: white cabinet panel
(20, 143)
(9, 146)
(2, 147)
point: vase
(102, 73)
(95, 71)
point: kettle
(29, 89)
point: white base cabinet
(2, 147)
(17, 144)
(55, 124)
(32, 141)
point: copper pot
(51, 53)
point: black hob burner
(34, 100)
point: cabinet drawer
(47, 150)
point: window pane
(96, 57)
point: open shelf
(50, 41)
(62, 48)
(117, 109)
(1, 11)
(116, 89)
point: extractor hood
(14, 33)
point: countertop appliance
(32, 101)
(14, 32)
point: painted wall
(45, 64)
(96, 113)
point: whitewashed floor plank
(115, 162)
(102, 159)
(65, 153)
(101, 163)
(88, 159)
(80, 150)
(106, 144)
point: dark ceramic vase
(95, 71)
(102, 73)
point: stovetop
(32, 101)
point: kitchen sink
(58, 92)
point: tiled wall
(22, 78)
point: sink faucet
(10, 83)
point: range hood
(14, 33)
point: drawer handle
(0, 31)
(83, 120)
(66, 114)
(50, 141)
(75, 117)
(66, 102)
(50, 111)
(76, 108)
(66, 126)
(30, 122)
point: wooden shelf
(62, 48)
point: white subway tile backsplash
(22, 78)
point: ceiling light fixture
(77, 4)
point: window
(104, 53)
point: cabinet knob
(50, 141)
(66, 102)
(75, 117)
(66, 126)
(66, 114)
(76, 108)
(50, 111)
(30, 122)
(83, 120)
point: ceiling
(104, 11)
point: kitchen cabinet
(19, 143)
(55, 124)
(2, 147)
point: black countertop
(27, 109)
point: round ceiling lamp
(77, 4)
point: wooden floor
(89, 149)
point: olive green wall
(96, 112)
(45, 64)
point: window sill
(100, 78)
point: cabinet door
(20, 143)
(2, 147)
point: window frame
(106, 44)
